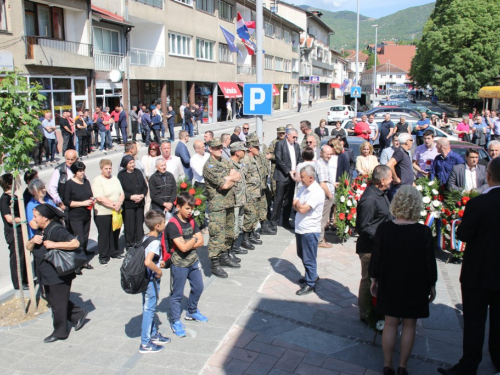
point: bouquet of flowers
(359, 185)
(433, 202)
(200, 200)
(345, 213)
(374, 320)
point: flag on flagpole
(241, 28)
(251, 27)
(250, 46)
(230, 41)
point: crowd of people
(251, 189)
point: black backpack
(134, 275)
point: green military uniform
(271, 148)
(303, 145)
(221, 204)
(240, 189)
(253, 179)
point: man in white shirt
(424, 155)
(197, 163)
(469, 176)
(309, 206)
(374, 128)
(326, 181)
(181, 112)
(49, 132)
(174, 164)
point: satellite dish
(115, 76)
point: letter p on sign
(257, 99)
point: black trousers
(82, 145)
(420, 140)
(157, 135)
(9, 237)
(107, 239)
(62, 308)
(475, 305)
(298, 107)
(135, 129)
(67, 143)
(133, 221)
(96, 138)
(89, 142)
(81, 228)
(38, 152)
(284, 198)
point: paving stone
(263, 338)
(238, 353)
(105, 359)
(285, 344)
(317, 341)
(242, 339)
(304, 369)
(275, 371)
(290, 360)
(235, 367)
(262, 365)
(218, 360)
(342, 366)
(314, 358)
(36, 364)
(259, 347)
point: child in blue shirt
(151, 340)
(184, 237)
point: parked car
(396, 111)
(339, 113)
(422, 109)
(393, 102)
(398, 96)
(461, 147)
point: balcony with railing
(105, 62)
(245, 69)
(144, 57)
(60, 53)
(153, 3)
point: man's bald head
(199, 147)
(70, 156)
(443, 146)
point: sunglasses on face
(309, 142)
(246, 128)
(295, 137)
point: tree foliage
(19, 113)
(460, 49)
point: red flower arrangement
(192, 191)
(342, 216)
(184, 185)
(461, 214)
(197, 201)
(465, 200)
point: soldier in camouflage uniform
(219, 182)
(305, 126)
(270, 156)
(253, 177)
(238, 152)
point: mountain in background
(405, 25)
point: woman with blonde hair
(366, 162)
(321, 131)
(403, 274)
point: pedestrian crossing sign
(355, 92)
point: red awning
(276, 92)
(335, 86)
(230, 90)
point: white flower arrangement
(380, 325)
(419, 188)
(349, 203)
(435, 192)
(436, 203)
(431, 183)
(363, 185)
(423, 213)
(346, 229)
(196, 213)
(342, 199)
(447, 236)
(421, 222)
(426, 200)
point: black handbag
(65, 261)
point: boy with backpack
(184, 237)
(151, 340)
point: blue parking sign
(258, 99)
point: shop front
(276, 97)
(228, 92)
(108, 94)
(203, 97)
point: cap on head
(238, 146)
(281, 129)
(214, 142)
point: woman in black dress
(9, 219)
(78, 197)
(135, 188)
(52, 234)
(404, 273)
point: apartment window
(187, 2)
(278, 64)
(225, 55)
(398, 77)
(106, 41)
(287, 65)
(288, 37)
(268, 29)
(225, 11)
(3, 16)
(41, 20)
(268, 62)
(204, 50)
(179, 45)
(205, 5)
(382, 76)
(278, 33)
(295, 65)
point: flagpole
(357, 60)
(259, 27)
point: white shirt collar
(470, 169)
(490, 189)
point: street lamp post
(387, 83)
(375, 66)
(357, 61)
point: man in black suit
(287, 153)
(479, 277)
(468, 176)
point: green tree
(370, 61)
(19, 113)
(460, 50)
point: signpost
(356, 92)
(258, 99)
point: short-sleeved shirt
(422, 122)
(373, 127)
(425, 157)
(5, 210)
(110, 188)
(404, 168)
(462, 127)
(179, 258)
(29, 213)
(153, 247)
(385, 129)
(63, 124)
(80, 132)
(49, 135)
(310, 222)
(402, 128)
(100, 124)
(171, 120)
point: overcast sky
(369, 8)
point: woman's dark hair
(78, 166)
(30, 176)
(6, 181)
(184, 197)
(308, 154)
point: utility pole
(357, 60)
(375, 66)
(259, 24)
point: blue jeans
(51, 149)
(109, 141)
(149, 300)
(102, 135)
(393, 189)
(76, 144)
(124, 135)
(171, 130)
(178, 277)
(307, 251)
(183, 124)
(189, 128)
(162, 130)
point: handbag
(65, 262)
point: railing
(153, 3)
(295, 48)
(106, 63)
(144, 57)
(245, 69)
(61, 45)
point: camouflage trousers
(264, 201)
(273, 181)
(239, 212)
(221, 231)
(252, 213)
